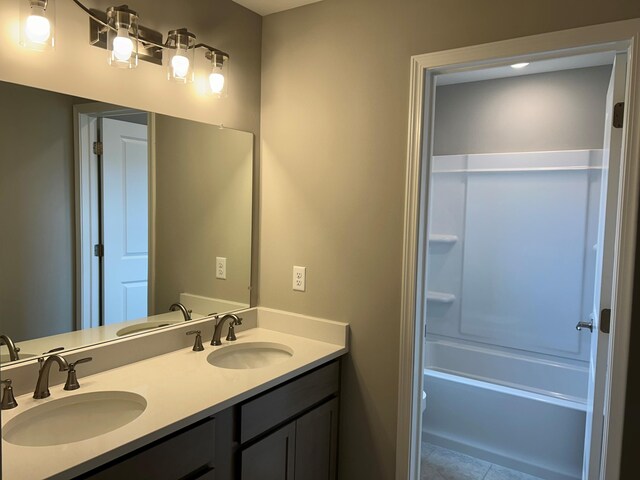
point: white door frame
(619, 36)
(85, 118)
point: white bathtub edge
(561, 402)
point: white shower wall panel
(524, 259)
(446, 217)
(521, 270)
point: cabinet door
(316, 443)
(272, 457)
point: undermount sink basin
(72, 419)
(4, 357)
(141, 327)
(250, 355)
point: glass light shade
(37, 24)
(219, 76)
(122, 37)
(179, 55)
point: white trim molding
(612, 37)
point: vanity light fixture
(119, 32)
(37, 24)
(179, 51)
(219, 76)
(518, 66)
(122, 37)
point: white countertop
(180, 388)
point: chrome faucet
(42, 385)
(13, 349)
(185, 313)
(235, 320)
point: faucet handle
(231, 335)
(197, 344)
(8, 400)
(82, 360)
(72, 377)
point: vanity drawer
(282, 403)
(187, 454)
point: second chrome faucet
(217, 332)
(42, 385)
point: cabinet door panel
(272, 457)
(272, 408)
(316, 443)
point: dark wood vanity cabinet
(304, 449)
(289, 432)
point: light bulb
(37, 29)
(122, 45)
(216, 81)
(180, 66)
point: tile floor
(441, 464)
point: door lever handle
(582, 325)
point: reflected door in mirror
(125, 219)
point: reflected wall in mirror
(99, 241)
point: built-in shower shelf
(440, 238)
(439, 297)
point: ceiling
(267, 7)
(539, 66)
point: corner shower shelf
(439, 238)
(439, 297)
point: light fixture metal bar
(211, 49)
(150, 41)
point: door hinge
(618, 115)
(98, 250)
(605, 320)
(98, 148)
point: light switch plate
(221, 268)
(299, 278)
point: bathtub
(518, 411)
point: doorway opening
(518, 258)
(113, 214)
(522, 207)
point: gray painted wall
(548, 111)
(335, 99)
(37, 256)
(203, 202)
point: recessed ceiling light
(520, 65)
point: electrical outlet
(299, 278)
(221, 268)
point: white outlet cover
(221, 268)
(299, 278)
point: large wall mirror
(111, 217)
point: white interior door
(125, 220)
(612, 151)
